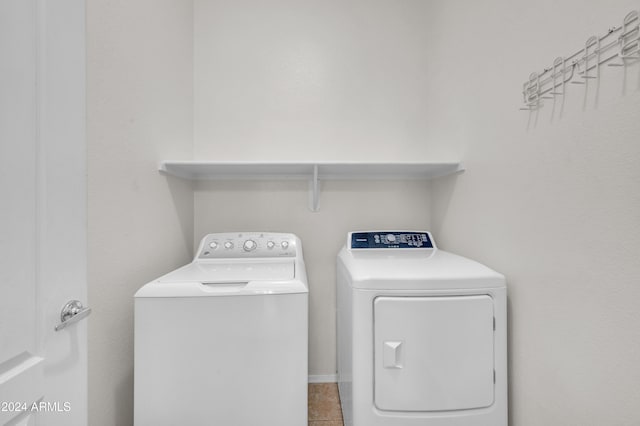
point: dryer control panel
(247, 245)
(390, 240)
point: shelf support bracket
(314, 193)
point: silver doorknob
(71, 313)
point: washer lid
(224, 278)
(239, 270)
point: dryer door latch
(392, 354)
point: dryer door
(433, 353)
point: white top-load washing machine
(422, 334)
(223, 340)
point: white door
(433, 353)
(43, 379)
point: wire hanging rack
(598, 51)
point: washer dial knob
(391, 238)
(270, 245)
(249, 245)
(284, 245)
(228, 245)
(213, 245)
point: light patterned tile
(324, 403)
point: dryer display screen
(390, 240)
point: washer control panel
(390, 240)
(247, 245)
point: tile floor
(324, 405)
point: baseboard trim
(323, 378)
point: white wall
(315, 80)
(140, 111)
(307, 80)
(549, 199)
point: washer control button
(284, 245)
(270, 245)
(391, 238)
(228, 245)
(249, 245)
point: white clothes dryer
(223, 340)
(422, 334)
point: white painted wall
(314, 80)
(140, 111)
(307, 80)
(550, 200)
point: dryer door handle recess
(392, 354)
